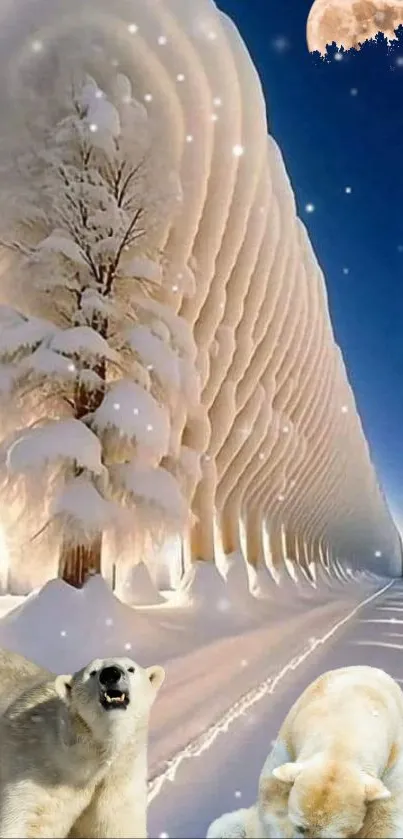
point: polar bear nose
(110, 675)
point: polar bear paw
(229, 826)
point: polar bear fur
(71, 764)
(342, 774)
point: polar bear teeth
(112, 699)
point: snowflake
(238, 793)
(338, 56)
(223, 605)
(162, 40)
(399, 61)
(163, 836)
(128, 646)
(212, 36)
(93, 127)
(109, 622)
(346, 270)
(378, 554)
(354, 91)
(238, 150)
(214, 117)
(149, 427)
(63, 633)
(189, 138)
(261, 455)
(37, 46)
(348, 190)
(180, 77)
(281, 43)
(344, 409)
(310, 208)
(135, 411)
(280, 497)
(286, 429)
(175, 288)
(132, 28)
(116, 406)
(244, 662)
(71, 367)
(217, 102)
(148, 97)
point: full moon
(351, 22)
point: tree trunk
(78, 563)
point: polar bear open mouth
(111, 698)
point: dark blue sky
(340, 124)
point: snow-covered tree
(93, 359)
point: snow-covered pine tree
(94, 359)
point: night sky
(340, 126)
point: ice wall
(285, 466)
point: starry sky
(340, 128)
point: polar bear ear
(156, 675)
(375, 790)
(63, 687)
(288, 772)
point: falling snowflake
(217, 102)
(132, 28)
(149, 427)
(348, 190)
(128, 646)
(163, 836)
(189, 138)
(310, 208)
(354, 91)
(238, 150)
(399, 61)
(93, 127)
(116, 406)
(344, 409)
(109, 622)
(378, 554)
(37, 46)
(162, 40)
(281, 43)
(148, 97)
(63, 633)
(223, 605)
(338, 56)
(238, 793)
(244, 662)
(346, 270)
(180, 77)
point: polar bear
(342, 775)
(74, 749)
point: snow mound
(63, 628)
(203, 587)
(138, 589)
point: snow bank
(63, 628)
(137, 587)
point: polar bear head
(328, 798)
(112, 696)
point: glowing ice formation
(267, 357)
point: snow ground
(223, 652)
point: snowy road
(223, 776)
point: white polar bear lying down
(336, 769)
(74, 749)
